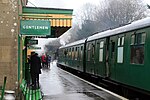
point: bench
(29, 93)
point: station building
(14, 39)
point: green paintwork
(30, 94)
(100, 69)
(135, 75)
(112, 56)
(19, 57)
(68, 61)
(3, 89)
(35, 10)
(90, 64)
(35, 27)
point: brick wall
(9, 42)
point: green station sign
(34, 47)
(35, 27)
(33, 42)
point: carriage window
(76, 53)
(120, 50)
(132, 39)
(101, 51)
(89, 49)
(72, 53)
(120, 55)
(93, 50)
(137, 49)
(141, 38)
(118, 41)
(101, 44)
(78, 58)
(65, 52)
(137, 54)
(81, 53)
(112, 49)
(122, 43)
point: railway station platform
(57, 84)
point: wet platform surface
(56, 84)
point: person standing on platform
(35, 68)
(49, 60)
(43, 58)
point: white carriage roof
(74, 43)
(134, 25)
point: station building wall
(9, 42)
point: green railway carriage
(72, 55)
(120, 55)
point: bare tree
(91, 19)
(119, 12)
(86, 12)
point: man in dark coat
(35, 68)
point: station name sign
(35, 27)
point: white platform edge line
(123, 98)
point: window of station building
(120, 49)
(89, 52)
(101, 51)
(137, 49)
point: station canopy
(60, 19)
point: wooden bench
(29, 93)
(3, 89)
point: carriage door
(112, 57)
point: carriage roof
(74, 43)
(133, 26)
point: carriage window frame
(76, 49)
(101, 51)
(89, 52)
(81, 53)
(137, 49)
(72, 53)
(132, 39)
(93, 50)
(120, 49)
(78, 58)
(69, 53)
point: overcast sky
(68, 4)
